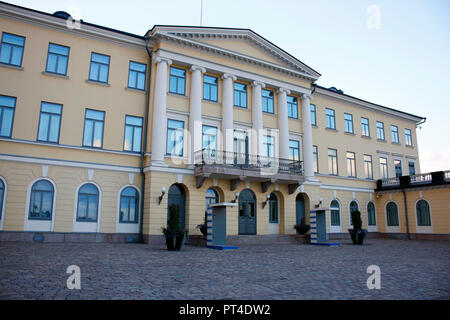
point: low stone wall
(31, 236)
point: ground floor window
(87, 210)
(335, 210)
(423, 213)
(129, 204)
(273, 208)
(371, 217)
(41, 200)
(392, 214)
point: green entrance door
(247, 212)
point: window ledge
(178, 95)
(381, 140)
(45, 73)
(409, 146)
(212, 102)
(366, 137)
(11, 66)
(396, 143)
(104, 84)
(331, 129)
(350, 133)
(135, 90)
(241, 108)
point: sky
(393, 53)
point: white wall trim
(344, 188)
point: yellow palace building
(101, 130)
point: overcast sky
(394, 53)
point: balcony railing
(247, 161)
(430, 178)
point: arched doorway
(274, 219)
(247, 212)
(177, 196)
(300, 211)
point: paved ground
(409, 270)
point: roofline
(337, 94)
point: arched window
(273, 208)
(392, 214)
(335, 209)
(87, 210)
(423, 213)
(354, 206)
(41, 201)
(129, 205)
(371, 216)
(211, 197)
(2, 194)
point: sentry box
(217, 226)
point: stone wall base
(55, 237)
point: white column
(283, 123)
(195, 116)
(307, 137)
(159, 111)
(256, 143)
(227, 112)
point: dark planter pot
(357, 235)
(174, 241)
(203, 229)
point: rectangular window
(99, 67)
(57, 59)
(175, 138)
(294, 150)
(348, 118)
(408, 137)
(368, 170)
(209, 137)
(398, 168)
(394, 134)
(177, 82)
(365, 131)
(292, 105)
(11, 49)
(313, 115)
(267, 101)
(269, 146)
(380, 130)
(49, 122)
(383, 168)
(93, 128)
(210, 88)
(351, 165)
(316, 159)
(133, 134)
(7, 108)
(331, 121)
(137, 75)
(240, 95)
(332, 162)
(411, 168)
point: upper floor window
(11, 49)
(411, 168)
(269, 146)
(129, 204)
(332, 162)
(365, 131)
(294, 150)
(7, 108)
(209, 138)
(351, 165)
(348, 118)
(133, 134)
(331, 121)
(41, 201)
(380, 130)
(383, 168)
(240, 95)
(99, 70)
(313, 115)
(57, 59)
(175, 137)
(177, 83)
(292, 105)
(394, 134)
(136, 75)
(267, 101)
(316, 159)
(408, 137)
(210, 88)
(93, 128)
(87, 209)
(398, 168)
(368, 170)
(49, 122)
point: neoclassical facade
(102, 130)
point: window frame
(408, 142)
(363, 127)
(348, 123)
(240, 92)
(380, 130)
(269, 101)
(167, 137)
(316, 158)
(352, 164)
(93, 128)
(388, 218)
(394, 134)
(99, 63)
(137, 75)
(396, 162)
(87, 207)
(292, 107)
(366, 166)
(178, 78)
(49, 124)
(329, 116)
(294, 148)
(137, 199)
(40, 218)
(274, 203)
(331, 172)
(338, 209)
(268, 146)
(313, 111)
(58, 55)
(386, 166)
(209, 86)
(2, 107)
(204, 133)
(419, 222)
(369, 215)
(133, 126)
(13, 45)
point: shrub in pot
(357, 233)
(173, 233)
(203, 227)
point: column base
(158, 163)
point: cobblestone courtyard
(409, 270)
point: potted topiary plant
(203, 227)
(173, 233)
(302, 228)
(357, 233)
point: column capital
(229, 75)
(258, 83)
(195, 68)
(157, 59)
(284, 90)
(306, 96)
